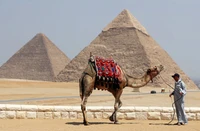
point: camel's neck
(138, 82)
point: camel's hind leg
(86, 87)
(117, 105)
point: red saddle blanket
(107, 68)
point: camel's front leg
(117, 105)
(83, 108)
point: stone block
(141, 109)
(191, 116)
(13, 107)
(60, 109)
(56, 115)
(167, 109)
(155, 109)
(65, 115)
(2, 107)
(95, 108)
(10, 114)
(175, 118)
(198, 116)
(40, 115)
(45, 108)
(31, 108)
(76, 109)
(73, 115)
(48, 115)
(194, 109)
(98, 115)
(31, 115)
(127, 109)
(153, 116)
(187, 109)
(21, 114)
(80, 115)
(141, 115)
(106, 115)
(2, 114)
(108, 109)
(130, 116)
(120, 115)
(166, 116)
(90, 115)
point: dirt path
(32, 90)
(96, 125)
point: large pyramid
(128, 42)
(39, 59)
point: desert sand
(51, 93)
(97, 125)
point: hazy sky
(73, 24)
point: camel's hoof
(116, 122)
(111, 118)
(86, 123)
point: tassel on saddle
(108, 82)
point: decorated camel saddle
(107, 71)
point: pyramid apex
(41, 34)
(125, 10)
(125, 19)
(39, 37)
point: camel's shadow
(111, 123)
(99, 123)
(164, 124)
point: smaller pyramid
(39, 59)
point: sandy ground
(15, 90)
(97, 125)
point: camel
(87, 84)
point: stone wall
(8, 111)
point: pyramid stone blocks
(128, 42)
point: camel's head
(153, 72)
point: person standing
(179, 94)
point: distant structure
(39, 59)
(198, 85)
(128, 42)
